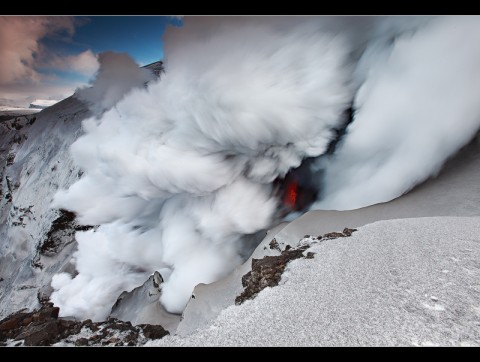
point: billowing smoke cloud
(417, 106)
(177, 173)
(117, 75)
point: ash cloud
(177, 173)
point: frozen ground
(399, 282)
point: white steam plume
(418, 104)
(177, 173)
(117, 75)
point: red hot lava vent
(290, 198)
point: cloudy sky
(49, 57)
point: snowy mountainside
(37, 240)
(42, 103)
(7, 112)
(35, 162)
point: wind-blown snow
(178, 172)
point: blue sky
(64, 50)
(139, 36)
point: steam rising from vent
(178, 175)
(118, 74)
(418, 105)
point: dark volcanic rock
(34, 327)
(348, 232)
(10, 159)
(334, 235)
(81, 342)
(13, 322)
(41, 334)
(61, 233)
(274, 245)
(43, 328)
(152, 331)
(266, 272)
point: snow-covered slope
(7, 112)
(34, 163)
(403, 282)
(42, 103)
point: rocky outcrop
(43, 328)
(142, 305)
(156, 68)
(267, 272)
(334, 235)
(61, 233)
(10, 159)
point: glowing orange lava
(291, 195)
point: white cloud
(20, 45)
(22, 54)
(23, 94)
(417, 106)
(85, 63)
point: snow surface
(142, 306)
(17, 111)
(43, 103)
(404, 282)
